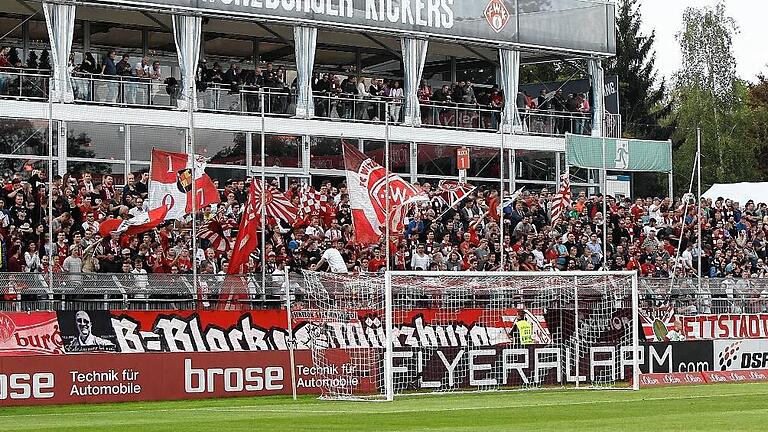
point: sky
(665, 16)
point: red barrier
(753, 375)
(671, 379)
(96, 378)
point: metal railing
(461, 116)
(31, 84)
(120, 90)
(143, 92)
(246, 100)
(90, 291)
(36, 291)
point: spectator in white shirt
(396, 94)
(335, 261)
(420, 260)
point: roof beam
(383, 45)
(157, 21)
(275, 34)
(480, 55)
(26, 6)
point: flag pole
(50, 185)
(192, 152)
(263, 205)
(291, 342)
(605, 209)
(501, 197)
(386, 173)
(698, 206)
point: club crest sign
(497, 15)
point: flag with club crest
(171, 183)
(369, 184)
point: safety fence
(88, 291)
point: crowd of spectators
(460, 104)
(12, 66)
(654, 236)
(123, 80)
(116, 78)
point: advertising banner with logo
(29, 333)
(741, 354)
(667, 357)
(569, 24)
(98, 378)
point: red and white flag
(171, 183)
(275, 204)
(452, 192)
(367, 185)
(213, 231)
(562, 199)
(247, 238)
(136, 225)
(313, 203)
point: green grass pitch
(728, 407)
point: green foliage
(548, 72)
(643, 104)
(78, 146)
(708, 95)
(757, 131)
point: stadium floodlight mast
(374, 336)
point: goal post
(377, 336)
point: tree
(757, 131)
(708, 95)
(643, 104)
(78, 146)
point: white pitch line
(331, 410)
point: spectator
(109, 69)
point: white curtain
(305, 40)
(597, 77)
(414, 57)
(60, 20)
(186, 33)
(510, 82)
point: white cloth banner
(186, 34)
(60, 21)
(414, 58)
(305, 39)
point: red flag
(367, 185)
(562, 199)
(136, 225)
(247, 239)
(171, 183)
(213, 231)
(453, 192)
(275, 204)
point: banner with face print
(87, 331)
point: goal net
(376, 336)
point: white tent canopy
(740, 192)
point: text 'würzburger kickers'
(436, 13)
